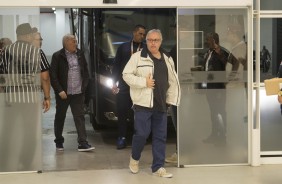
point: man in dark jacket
(215, 61)
(69, 79)
(124, 102)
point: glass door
(213, 70)
(20, 92)
(270, 62)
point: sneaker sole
(60, 149)
(133, 171)
(168, 176)
(170, 162)
(85, 150)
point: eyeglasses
(153, 40)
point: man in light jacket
(154, 85)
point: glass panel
(20, 119)
(268, 59)
(270, 5)
(270, 112)
(213, 126)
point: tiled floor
(270, 174)
(106, 165)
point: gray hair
(67, 37)
(4, 42)
(155, 31)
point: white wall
(52, 38)
(48, 32)
(12, 17)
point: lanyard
(138, 49)
(208, 59)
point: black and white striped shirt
(21, 64)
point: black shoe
(121, 143)
(85, 147)
(59, 147)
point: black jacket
(217, 62)
(59, 71)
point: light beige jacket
(138, 68)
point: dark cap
(24, 29)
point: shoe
(133, 165)
(121, 143)
(59, 147)
(172, 159)
(85, 147)
(161, 172)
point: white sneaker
(133, 165)
(172, 159)
(161, 172)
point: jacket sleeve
(85, 74)
(54, 70)
(174, 91)
(130, 75)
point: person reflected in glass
(215, 61)
(4, 42)
(154, 85)
(21, 64)
(123, 100)
(265, 58)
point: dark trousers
(124, 112)
(145, 123)
(76, 103)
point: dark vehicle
(100, 32)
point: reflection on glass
(213, 126)
(270, 67)
(20, 128)
(270, 5)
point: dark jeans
(124, 112)
(145, 123)
(76, 103)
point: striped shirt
(44, 64)
(20, 65)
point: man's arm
(116, 72)
(45, 83)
